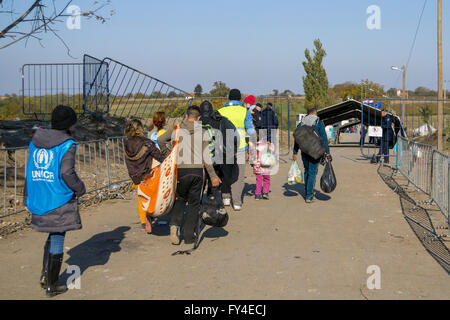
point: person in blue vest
(242, 119)
(311, 165)
(51, 191)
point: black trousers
(189, 191)
(228, 173)
(384, 149)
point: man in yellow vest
(243, 121)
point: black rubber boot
(54, 267)
(43, 279)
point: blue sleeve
(249, 124)
(296, 147)
(324, 136)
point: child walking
(262, 173)
(159, 121)
(139, 155)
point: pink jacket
(255, 157)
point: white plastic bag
(267, 158)
(295, 174)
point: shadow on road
(96, 251)
(299, 189)
(249, 191)
(214, 233)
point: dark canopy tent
(352, 109)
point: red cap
(250, 100)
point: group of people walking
(238, 133)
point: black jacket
(66, 217)
(220, 123)
(269, 119)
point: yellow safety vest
(236, 114)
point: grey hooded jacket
(66, 217)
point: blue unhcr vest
(46, 190)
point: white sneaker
(226, 201)
(237, 208)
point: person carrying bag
(312, 150)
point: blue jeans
(311, 168)
(56, 241)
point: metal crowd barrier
(427, 169)
(440, 190)
(100, 164)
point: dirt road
(276, 249)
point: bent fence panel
(99, 164)
(125, 92)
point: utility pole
(404, 116)
(441, 135)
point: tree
(220, 89)
(41, 16)
(286, 93)
(198, 90)
(315, 83)
(392, 92)
(275, 92)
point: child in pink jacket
(262, 173)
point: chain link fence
(100, 164)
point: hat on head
(250, 100)
(235, 94)
(63, 117)
(206, 108)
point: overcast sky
(254, 45)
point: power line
(414, 40)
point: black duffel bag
(309, 141)
(212, 211)
(328, 180)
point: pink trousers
(262, 179)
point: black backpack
(309, 141)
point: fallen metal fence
(427, 169)
(100, 164)
(124, 92)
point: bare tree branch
(41, 20)
(15, 23)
